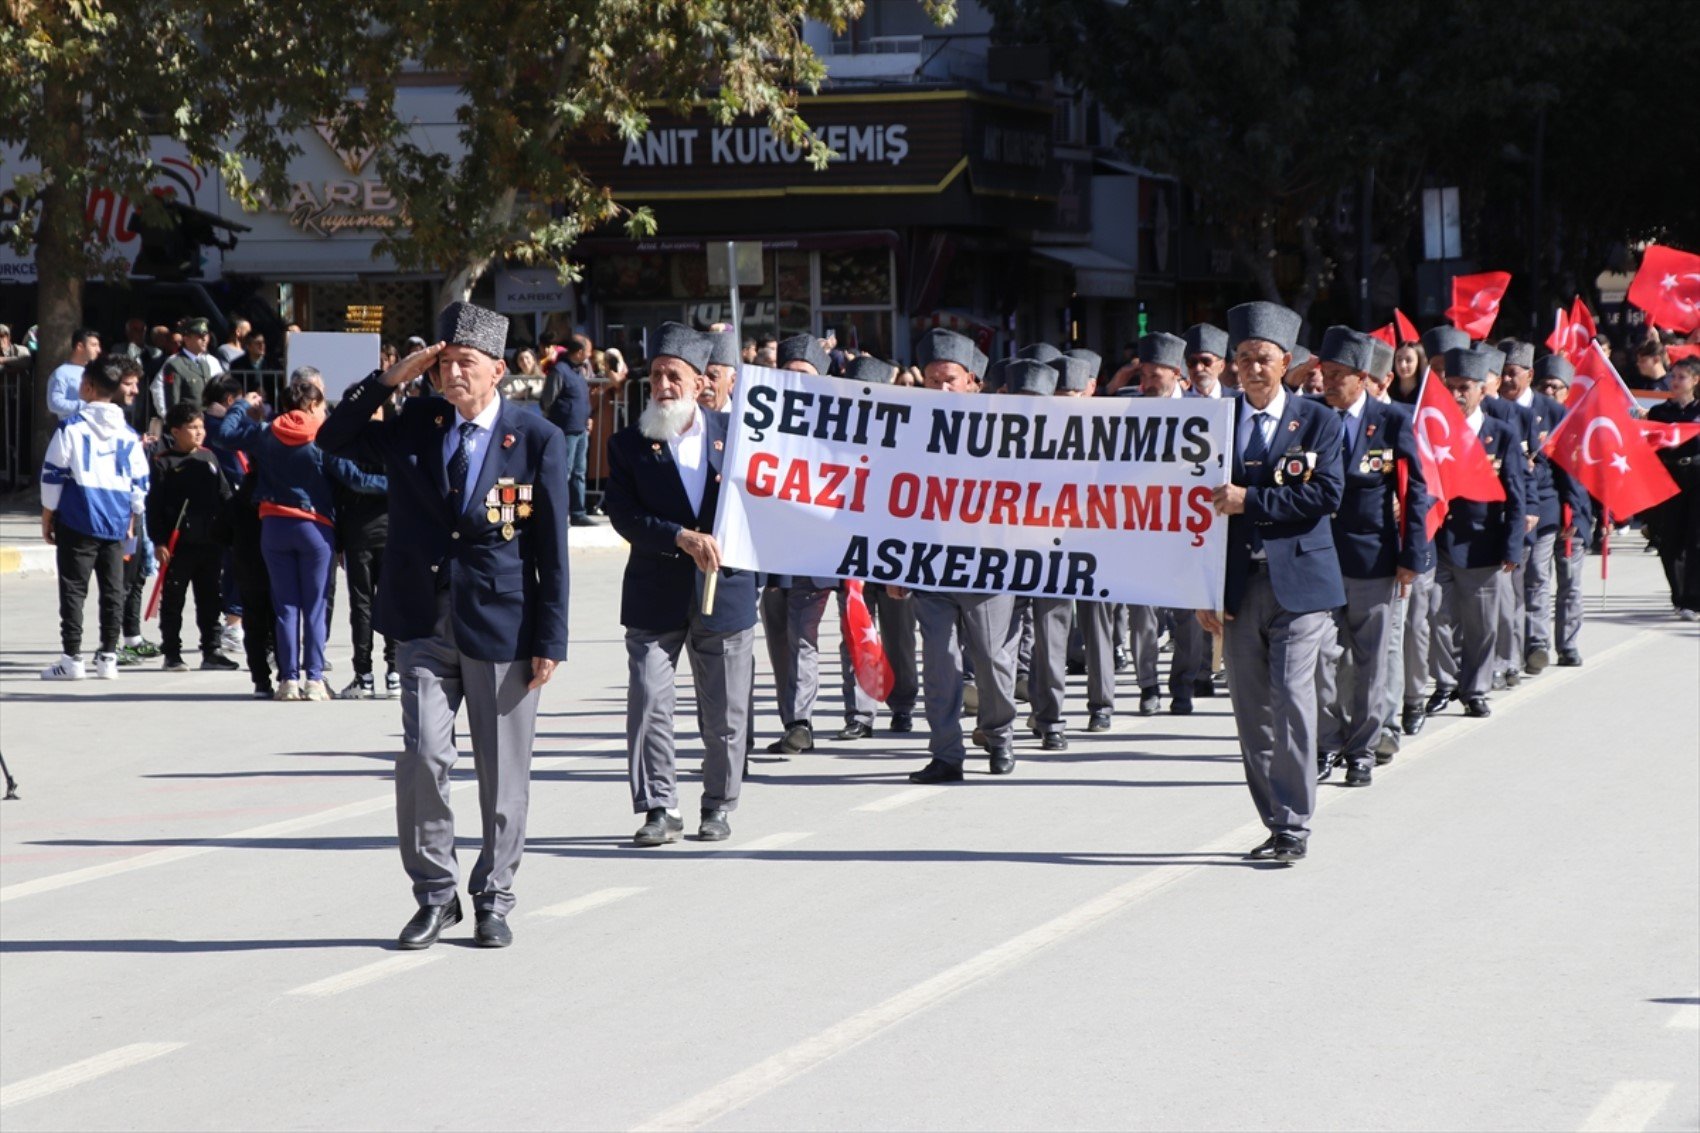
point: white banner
(1103, 498)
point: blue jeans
(298, 558)
(578, 451)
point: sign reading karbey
(1106, 499)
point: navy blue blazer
(646, 502)
(1371, 536)
(1292, 516)
(1534, 424)
(1487, 534)
(508, 596)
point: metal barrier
(15, 385)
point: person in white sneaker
(94, 485)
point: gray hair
(306, 374)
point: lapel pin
(508, 441)
(1369, 430)
(439, 421)
(656, 447)
(1292, 426)
(718, 445)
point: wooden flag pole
(709, 586)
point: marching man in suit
(474, 591)
(1283, 578)
(663, 491)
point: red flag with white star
(1599, 444)
(1667, 287)
(1475, 302)
(1455, 465)
(1668, 434)
(867, 655)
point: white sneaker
(106, 666)
(230, 641)
(287, 690)
(67, 668)
(314, 690)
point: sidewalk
(22, 550)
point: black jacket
(189, 484)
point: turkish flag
(1455, 464)
(1668, 434)
(1678, 353)
(1667, 287)
(867, 655)
(1475, 301)
(1407, 329)
(1592, 366)
(1388, 334)
(1572, 333)
(1599, 444)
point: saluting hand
(412, 366)
(702, 549)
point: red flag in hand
(1573, 333)
(1599, 445)
(867, 655)
(1475, 301)
(1679, 352)
(1455, 464)
(1592, 366)
(1667, 287)
(1406, 328)
(1388, 334)
(1668, 434)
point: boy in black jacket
(187, 493)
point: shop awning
(1096, 276)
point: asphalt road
(199, 895)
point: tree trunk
(458, 286)
(1257, 253)
(60, 259)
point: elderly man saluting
(663, 491)
(475, 591)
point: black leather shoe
(1513, 678)
(1477, 706)
(1264, 850)
(492, 930)
(1289, 848)
(1203, 687)
(1100, 722)
(1149, 702)
(1438, 702)
(715, 827)
(855, 730)
(428, 924)
(658, 828)
(1075, 668)
(1412, 719)
(937, 771)
(1569, 659)
(1180, 706)
(1497, 684)
(901, 722)
(1539, 658)
(1387, 746)
(1324, 766)
(1122, 658)
(1358, 775)
(798, 739)
(1003, 760)
(1054, 741)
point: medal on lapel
(505, 502)
(1295, 466)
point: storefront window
(858, 277)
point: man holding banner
(1283, 578)
(663, 495)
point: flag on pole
(1406, 328)
(1475, 302)
(1600, 446)
(1455, 465)
(1667, 287)
(867, 655)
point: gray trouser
(721, 671)
(1353, 693)
(859, 707)
(1187, 662)
(1471, 597)
(1567, 618)
(1422, 613)
(896, 617)
(1396, 658)
(986, 630)
(1271, 657)
(501, 717)
(1098, 637)
(791, 619)
(1021, 639)
(1537, 592)
(1048, 684)
(1508, 632)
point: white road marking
(172, 854)
(1685, 1018)
(85, 1071)
(900, 799)
(767, 842)
(742, 1088)
(588, 902)
(1629, 1107)
(366, 973)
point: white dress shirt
(1474, 420)
(688, 456)
(1272, 412)
(1526, 398)
(477, 444)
